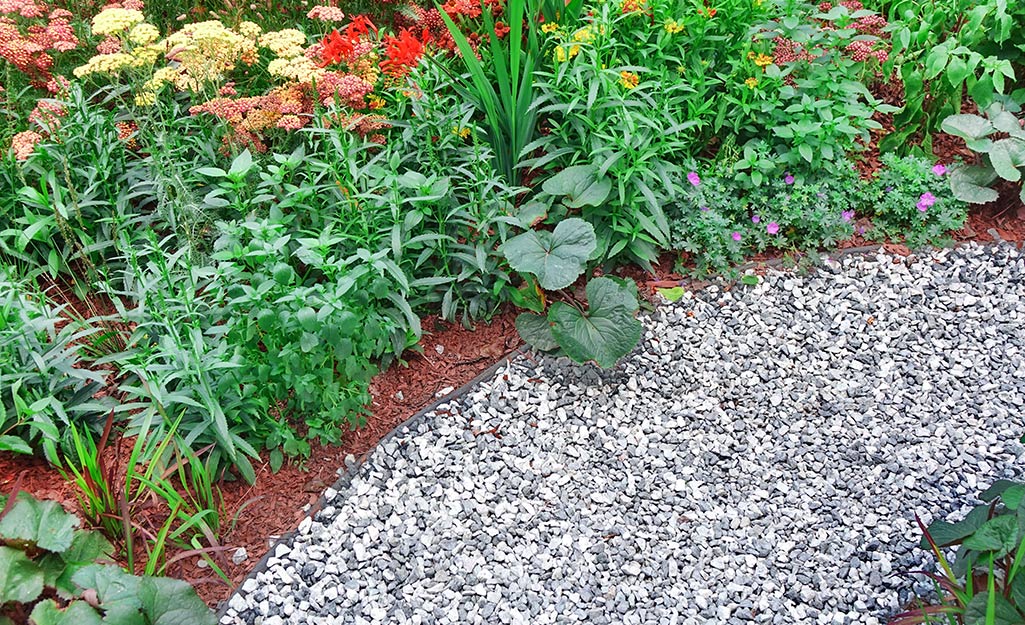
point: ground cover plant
(218, 223)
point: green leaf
(77, 613)
(1003, 612)
(557, 258)
(1012, 497)
(168, 601)
(935, 62)
(43, 523)
(1018, 589)
(996, 490)
(117, 591)
(969, 184)
(213, 172)
(967, 126)
(673, 294)
(21, 580)
(750, 279)
(606, 332)
(999, 534)
(1003, 156)
(14, 444)
(945, 533)
(536, 331)
(242, 164)
(580, 184)
(283, 273)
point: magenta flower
(772, 228)
(704, 209)
(755, 219)
(924, 202)
(922, 207)
(939, 169)
(788, 179)
(736, 236)
(694, 178)
(847, 215)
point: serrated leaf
(14, 444)
(999, 534)
(77, 613)
(536, 331)
(967, 126)
(43, 523)
(957, 71)
(945, 533)
(556, 258)
(168, 601)
(606, 331)
(21, 579)
(117, 591)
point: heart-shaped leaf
(44, 523)
(536, 331)
(557, 258)
(967, 126)
(945, 533)
(167, 601)
(999, 534)
(580, 184)
(606, 332)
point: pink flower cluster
(28, 46)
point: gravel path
(759, 459)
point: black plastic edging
(345, 478)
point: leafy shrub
(45, 384)
(50, 574)
(910, 198)
(982, 583)
(1000, 158)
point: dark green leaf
(77, 613)
(999, 534)
(946, 534)
(21, 580)
(557, 258)
(1003, 612)
(536, 331)
(168, 601)
(606, 332)
(44, 523)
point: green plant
(945, 49)
(604, 331)
(50, 574)
(45, 383)
(1000, 158)
(504, 90)
(982, 583)
(909, 198)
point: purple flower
(927, 199)
(755, 219)
(704, 209)
(693, 178)
(847, 215)
(889, 188)
(772, 228)
(922, 206)
(788, 179)
(736, 236)
(939, 169)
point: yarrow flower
(24, 143)
(115, 20)
(847, 215)
(772, 228)
(326, 14)
(694, 178)
(939, 169)
(925, 201)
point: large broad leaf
(1005, 157)
(117, 591)
(580, 184)
(21, 580)
(168, 601)
(557, 258)
(43, 523)
(77, 613)
(945, 534)
(999, 534)
(996, 490)
(85, 550)
(536, 331)
(606, 332)
(967, 126)
(1003, 612)
(969, 184)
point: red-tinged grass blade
(925, 614)
(936, 550)
(14, 494)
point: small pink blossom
(789, 179)
(693, 178)
(847, 215)
(924, 202)
(772, 228)
(736, 236)
(939, 169)
(755, 218)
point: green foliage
(52, 572)
(982, 584)
(45, 383)
(910, 199)
(1002, 158)
(606, 329)
(945, 49)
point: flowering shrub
(912, 198)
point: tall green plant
(502, 82)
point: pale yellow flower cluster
(206, 51)
(116, 20)
(105, 64)
(299, 69)
(286, 44)
(143, 34)
(250, 30)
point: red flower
(359, 27)
(403, 52)
(501, 30)
(335, 48)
